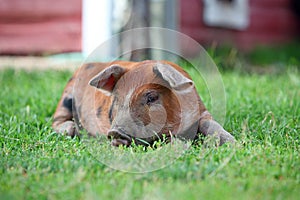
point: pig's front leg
(63, 117)
(211, 128)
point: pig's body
(128, 100)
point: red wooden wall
(271, 22)
(40, 26)
(47, 26)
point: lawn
(263, 113)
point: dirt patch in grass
(38, 63)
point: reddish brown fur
(92, 109)
(169, 102)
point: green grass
(272, 58)
(263, 113)
(287, 53)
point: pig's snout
(119, 137)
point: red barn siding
(45, 26)
(40, 26)
(271, 22)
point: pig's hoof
(67, 128)
(226, 137)
(218, 139)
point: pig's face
(145, 101)
(145, 114)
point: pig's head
(150, 100)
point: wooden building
(45, 26)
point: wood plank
(270, 4)
(35, 10)
(52, 36)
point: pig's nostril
(112, 134)
(117, 134)
(119, 138)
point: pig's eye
(151, 97)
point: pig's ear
(107, 78)
(175, 79)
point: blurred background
(47, 27)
